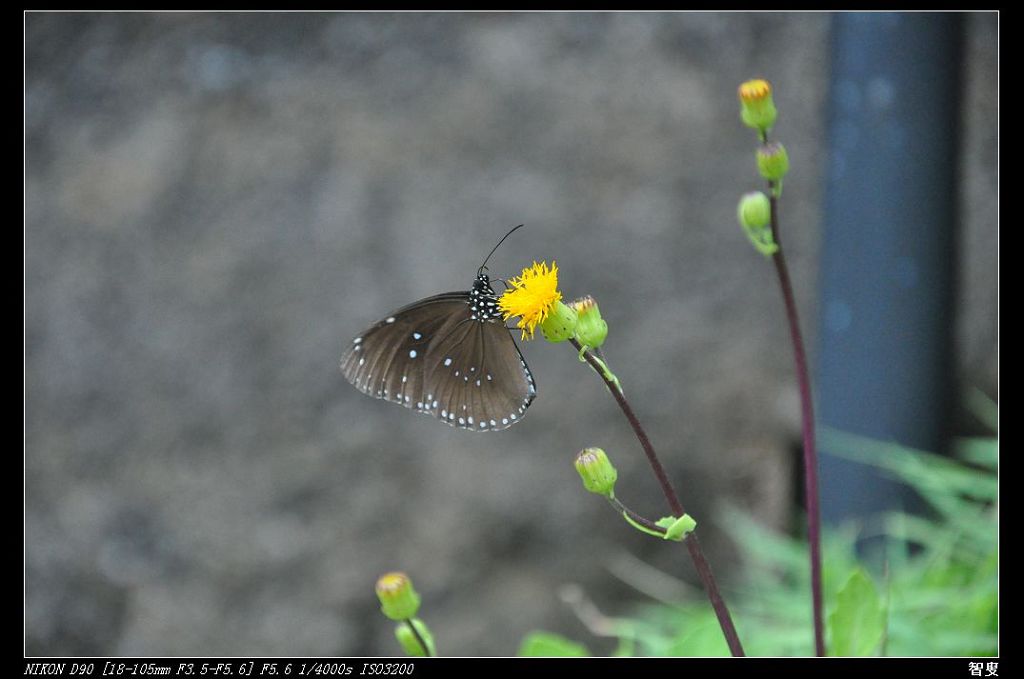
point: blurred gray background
(217, 203)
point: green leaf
(939, 597)
(547, 644)
(677, 529)
(982, 451)
(937, 478)
(858, 622)
(701, 641)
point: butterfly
(450, 356)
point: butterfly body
(449, 356)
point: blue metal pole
(885, 343)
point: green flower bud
(591, 329)
(755, 210)
(756, 106)
(398, 600)
(560, 323)
(755, 216)
(410, 644)
(773, 161)
(597, 472)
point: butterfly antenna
(484, 265)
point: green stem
(602, 366)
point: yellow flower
(754, 91)
(757, 110)
(532, 296)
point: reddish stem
(807, 417)
(692, 544)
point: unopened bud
(591, 329)
(597, 472)
(773, 161)
(755, 215)
(398, 600)
(410, 644)
(755, 210)
(560, 323)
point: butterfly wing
(478, 376)
(434, 357)
(387, 360)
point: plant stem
(807, 416)
(692, 544)
(419, 638)
(645, 443)
(634, 517)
